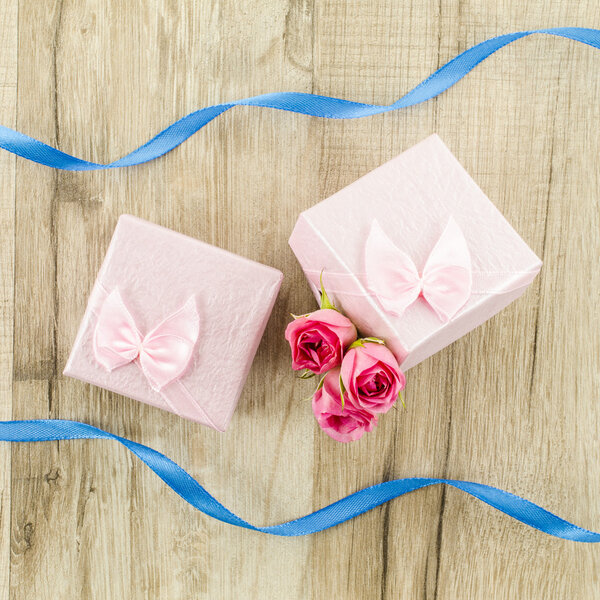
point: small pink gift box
(173, 322)
(414, 252)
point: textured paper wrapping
(156, 271)
(412, 197)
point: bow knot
(163, 354)
(445, 282)
(420, 284)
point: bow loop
(163, 354)
(391, 274)
(393, 277)
(116, 338)
(167, 349)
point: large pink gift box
(414, 252)
(173, 322)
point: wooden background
(514, 404)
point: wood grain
(8, 98)
(512, 404)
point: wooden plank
(8, 97)
(512, 404)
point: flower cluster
(360, 377)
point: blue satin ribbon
(305, 104)
(347, 508)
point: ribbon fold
(347, 508)
(301, 103)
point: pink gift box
(413, 199)
(211, 308)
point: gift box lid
(413, 198)
(153, 274)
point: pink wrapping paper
(413, 197)
(156, 272)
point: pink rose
(318, 340)
(372, 377)
(344, 424)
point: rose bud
(372, 377)
(318, 340)
(345, 423)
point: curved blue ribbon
(334, 514)
(306, 104)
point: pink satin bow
(445, 282)
(163, 354)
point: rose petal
(379, 352)
(344, 424)
(337, 322)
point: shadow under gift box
(413, 197)
(156, 271)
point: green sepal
(374, 340)
(362, 341)
(326, 303)
(356, 344)
(320, 384)
(342, 392)
(306, 375)
(298, 316)
(400, 397)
